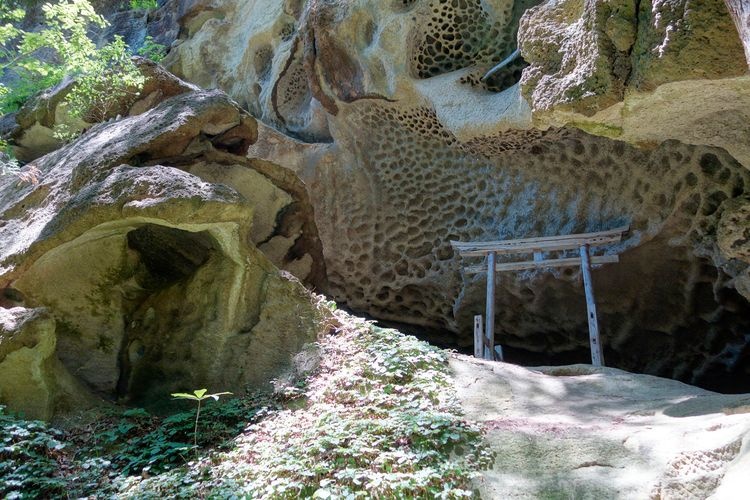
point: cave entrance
(132, 300)
(167, 258)
(484, 342)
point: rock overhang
(417, 150)
(149, 274)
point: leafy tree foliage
(143, 4)
(36, 60)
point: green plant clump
(138, 441)
(378, 419)
(29, 454)
(152, 50)
(143, 4)
(38, 461)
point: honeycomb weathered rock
(414, 187)
(411, 150)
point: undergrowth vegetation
(379, 418)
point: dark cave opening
(727, 372)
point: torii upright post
(597, 356)
(489, 329)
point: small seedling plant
(198, 395)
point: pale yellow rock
(267, 199)
(26, 374)
(33, 382)
(149, 273)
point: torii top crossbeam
(537, 247)
(542, 244)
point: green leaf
(199, 393)
(184, 395)
(217, 394)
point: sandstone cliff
(616, 113)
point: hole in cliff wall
(138, 306)
(167, 254)
(462, 34)
(403, 5)
(10, 298)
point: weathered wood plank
(530, 264)
(609, 232)
(482, 249)
(478, 337)
(545, 243)
(597, 356)
(490, 309)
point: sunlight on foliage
(63, 40)
(106, 77)
(379, 418)
(143, 4)
(152, 50)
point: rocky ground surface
(583, 432)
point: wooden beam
(478, 337)
(520, 266)
(490, 312)
(597, 356)
(482, 249)
(545, 243)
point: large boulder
(32, 378)
(33, 130)
(380, 108)
(583, 432)
(146, 261)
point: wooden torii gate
(485, 345)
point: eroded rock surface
(641, 72)
(740, 12)
(380, 108)
(146, 261)
(32, 378)
(581, 432)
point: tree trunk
(740, 11)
